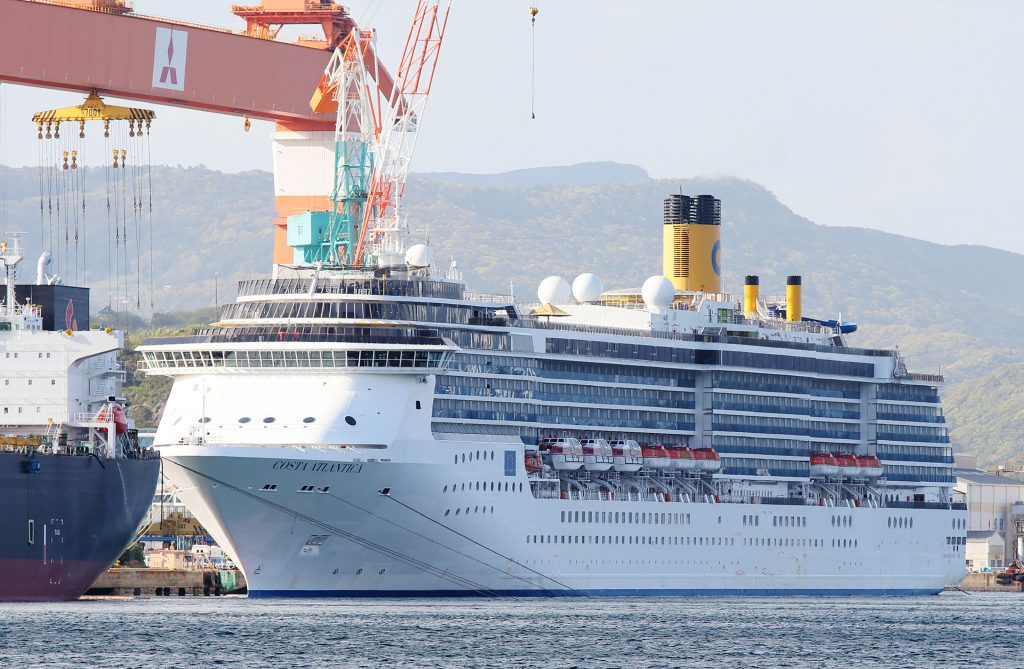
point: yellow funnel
(793, 307)
(691, 243)
(751, 288)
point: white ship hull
(513, 543)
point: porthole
(205, 419)
(350, 420)
(244, 419)
(358, 572)
(269, 419)
(309, 419)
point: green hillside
(986, 415)
(949, 308)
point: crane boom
(382, 228)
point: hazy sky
(903, 116)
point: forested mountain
(949, 308)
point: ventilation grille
(680, 252)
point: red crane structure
(103, 46)
(382, 229)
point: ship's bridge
(387, 348)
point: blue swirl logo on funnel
(716, 253)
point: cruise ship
(385, 432)
(74, 482)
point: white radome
(554, 290)
(658, 292)
(587, 287)
(418, 255)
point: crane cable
(149, 214)
(533, 60)
(106, 173)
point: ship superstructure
(73, 482)
(384, 431)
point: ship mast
(10, 256)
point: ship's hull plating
(475, 529)
(66, 519)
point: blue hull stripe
(749, 592)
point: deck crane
(394, 129)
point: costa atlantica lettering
(324, 467)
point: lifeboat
(848, 465)
(626, 456)
(597, 455)
(824, 464)
(656, 457)
(707, 459)
(682, 458)
(533, 462)
(116, 413)
(870, 466)
(564, 453)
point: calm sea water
(951, 630)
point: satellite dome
(418, 255)
(554, 290)
(658, 292)
(587, 288)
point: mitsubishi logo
(169, 52)
(169, 71)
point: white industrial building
(992, 534)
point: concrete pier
(986, 582)
(166, 582)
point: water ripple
(947, 631)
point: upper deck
(309, 303)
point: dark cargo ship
(74, 483)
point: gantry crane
(103, 46)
